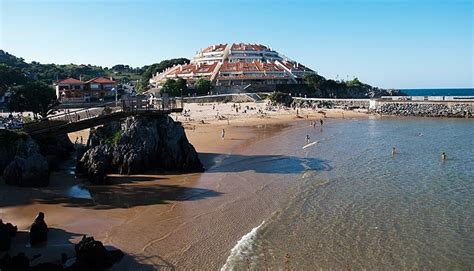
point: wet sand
(188, 221)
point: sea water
(440, 92)
(357, 206)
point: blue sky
(387, 43)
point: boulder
(7, 231)
(16, 263)
(38, 230)
(91, 255)
(137, 145)
(32, 171)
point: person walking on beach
(222, 134)
(443, 156)
(321, 122)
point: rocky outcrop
(459, 110)
(21, 162)
(91, 255)
(137, 145)
(7, 232)
(27, 162)
(38, 230)
(32, 171)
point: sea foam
(244, 248)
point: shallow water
(356, 206)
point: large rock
(91, 255)
(16, 263)
(7, 231)
(38, 230)
(138, 145)
(32, 171)
(23, 161)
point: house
(74, 89)
(70, 88)
(100, 87)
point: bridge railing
(132, 106)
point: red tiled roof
(194, 68)
(70, 81)
(215, 48)
(248, 47)
(101, 80)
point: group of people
(79, 140)
(12, 122)
(313, 123)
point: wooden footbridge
(80, 119)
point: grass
(114, 139)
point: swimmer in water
(420, 134)
(394, 151)
(443, 156)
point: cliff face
(137, 145)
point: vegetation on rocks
(328, 88)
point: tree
(36, 97)
(314, 80)
(354, 83)
(202, 86)
(174, 87)
(157, 68)
(181, 86)
(169, 87)
(10, 77)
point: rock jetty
(458, 110)
(137, 145)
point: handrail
(128, 107)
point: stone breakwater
(424, 109)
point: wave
(243, 248)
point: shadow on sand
(127, 192)
(61, 241)
(272, 164)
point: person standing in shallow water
(222, 134)
(394, 151)
(443, 156)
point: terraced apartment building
(236, 64)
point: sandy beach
(183, 221)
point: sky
(386, 43)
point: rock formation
(38, 230)
(91, 255)
(7, 231)
(24, 162)
(137, 145)
(32, 171)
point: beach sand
(186, 221)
